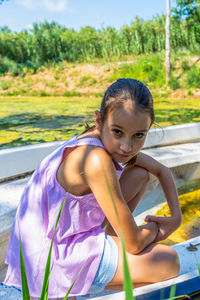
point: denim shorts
(106, 270)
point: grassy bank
(92, 78)
(30, 120)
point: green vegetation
(189, 228)
(50, 43)
(30, 120)
(75, 68)
(35, 120)
(91, 79)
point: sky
(21, 14)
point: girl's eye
(139, 135)
(117, 132)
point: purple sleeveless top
(79, 239)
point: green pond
(190, 227)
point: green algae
(190, 227)
(31, 120)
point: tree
(187, 10)
(167, 41)
(1, 1)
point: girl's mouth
(123, 155)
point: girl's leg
(134, 183)
(70, 298)
(156, 263)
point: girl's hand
(166, 225)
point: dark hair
(127, 89)
(122, 90)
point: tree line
(49, 43)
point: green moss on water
(190, 227)
(30, 120)
(189, 186)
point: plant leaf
(172, 292)
(25, 289)
(44, 292)
(66, 297)
(198, 266)
(128, 284)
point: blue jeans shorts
(106, 270)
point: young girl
(88, 233)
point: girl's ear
(98, 122)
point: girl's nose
(126, 146)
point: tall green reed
(198, 266)
(44, 292)
(128, 284)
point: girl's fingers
(151, 219)
(155, 219)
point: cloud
(55, 5)
(26, 3)
(50, 5)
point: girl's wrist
(154, 228)
(156, 231)
(177, 218)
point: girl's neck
(90, 134)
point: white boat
(177, 146)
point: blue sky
(21, 14)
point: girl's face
(124, 131)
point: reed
(44, 292)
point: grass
(90, 77)
(31, 120)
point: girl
(78, 168)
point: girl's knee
(175, 264)
(169, 261)
(145, 175)
(137, 173)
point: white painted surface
(19, 160)
(176, 155)
(175, 134)
(24, 159)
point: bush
(173, 83)
(6, 65)
(184, 65)
(148, 70)
(193, 77)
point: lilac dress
(79, 239)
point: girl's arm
(165, 177)
(97, 165)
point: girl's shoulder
(91, 154)
(88, 137)
(87, 159)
